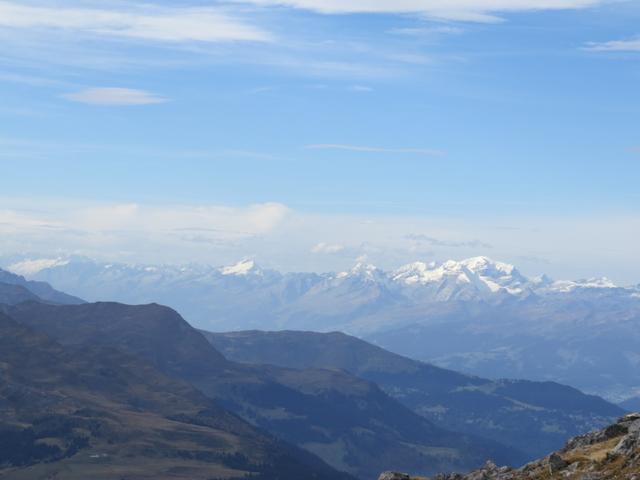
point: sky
(310, 134)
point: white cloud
(361, 89)
(277, 236)
(427, 31)
(123, 226)
(369, 149)
(327, 248)
(632, 45)
(463, 10)
(147, 23)
(420, 238)
(114, 97)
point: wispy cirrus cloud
(629, 45)
(370, 149)
(427, 31)
(114, 97)
(186, 24)
(361, 89)
(438, 242)
(463, 10)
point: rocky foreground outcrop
(609, 454)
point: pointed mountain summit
(242, 268)
(364, 271)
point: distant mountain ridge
(11, 294)
(348, 422)
(31, 290)
(535, 417)
(477, 315)
(87, 412)
(472, 278)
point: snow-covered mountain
(476, 315)
(478, 278)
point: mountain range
(349, 423)
(21, 288)
(477, 316)
(77, 412)
(534, 417)
(152, 389)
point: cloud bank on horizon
(290, 240)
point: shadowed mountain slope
(348, 422)
(13, 294)
(76, 413)
(477, 316)
(41, 290)
(535, 417)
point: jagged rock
(628, 444)
(394, 476)
(630, 417)
(480, 475)
(614, 431)
(557, 463)
(634, 427)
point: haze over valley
(477, 316)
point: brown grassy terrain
(97, 413)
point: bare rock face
(394, 476)
(631, 441)
(612, 453)
(557, 463)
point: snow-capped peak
(242, 268)
(485, 265)
(481, 272)
(497, 275)
(416, 273)
(31, 267)
(363, 270)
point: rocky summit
(612, 453)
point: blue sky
(308, 121)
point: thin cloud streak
(145, 23)
(368, 149)
(631, 45)
(114, 97)
(484, 11)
